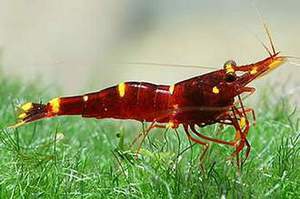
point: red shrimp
(199, 101)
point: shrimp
(203, 100)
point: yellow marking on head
(215, 90)
(85, 98)
(243, 122)
(27, 106)
(22, 116)
(253, 71)
(277, 62)
(229, 68)
(122, 89)
(55, 105)
(171, 89)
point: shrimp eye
(230, 77)
(229, 68)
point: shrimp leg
(204, 144)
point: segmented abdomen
(130, 100)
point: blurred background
(82, 45)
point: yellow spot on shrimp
(229, 68)
(22, 116)
(122, 89)
(27, 106)
(253, 71)
(242, 122)
(55, 105)
(171, 89)
(277, 62)
(215, 90)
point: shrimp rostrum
(203, 100)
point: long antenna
(261, 42)
(270, 38)
(171, 65)
(264, 45)
(265, 27)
